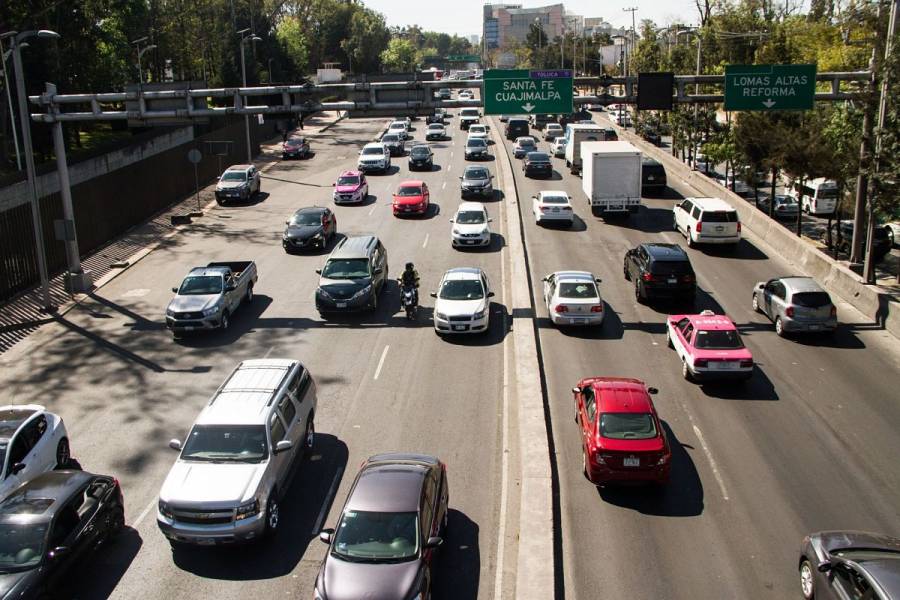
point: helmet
(409, 266)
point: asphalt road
(810, 443)
(124, 387)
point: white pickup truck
(209, 295)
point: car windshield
(714, 339)
(420, 151)
(538, 157)
(526, 142)
(226, 443)
(364, 536)
(307, 218)
(410, 190)
(477, 129)
(348, 180)
(346, 268)
(397, 126)
(785, 201)
(21, 545)
(627, 426)
(475, 173)
(234, 176)
(295, 142)
(200, 286)
(469, 217)
(468, 112)
(580, 289)
(550, 199)
(436, 127)
(811, 299)
(461, 289)
(475, 143)
(372, 150)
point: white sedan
(32, 441)
(463, 302)
(573, 298)
(435, 131)
(470, 225)
(478, 131)
(558, 147)
(552, 206)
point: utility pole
(12, 114)
(865, 159)
(632, 10)
(244, 39)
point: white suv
(236, 462)
(374, 157)
(707, 221)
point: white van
(707, 221)
(817, 196)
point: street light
(140, 52)
(252, 37)
(17, 40)
(3, 56)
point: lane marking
(449, 167)
(451, 154)
(266, 355)
(709, 457)
(144, 513)
(444, 186)
(381, 362)
(373, 209)
(328, 500)
(425, 243)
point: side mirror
(453, 220)
(824, 566)
(534, 197)
(287, 222)
(490, 220)
(283, 445)
(175, 290)
(492, 176)
(576, 390)
(433, 294)
(325, 535)
(175, 444)
(490, 294)
(58, 552)
(434, 542)
(318, 271)
(230, 287)
(547, 278)
(460, 177)
(17, 468)
(378, 270)
(219, 178)
(598, 280)
(652, 390)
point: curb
(535, 569)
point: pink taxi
(709, 347)
(351, 187)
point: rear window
(718, 340)
(653, 169)
(811, 299)
(719, 216)
(538, 157)
(627, 426)
(670, 267)
(577, 290)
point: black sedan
(51, 523)
(295, 147)
(843, 239)
(652, 135)
(421, 157)
(850, 564)
(310, 227)
(537, 164)
(389, 532)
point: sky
(463, 17)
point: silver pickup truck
(209, 295)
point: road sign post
(518, 91)
(770, 87)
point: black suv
(660, 271)
(516, 128)
(653, 176)
(353, 276)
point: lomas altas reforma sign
(518, 91)
(770, 87)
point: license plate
(206, 541)
(719, 228)
(574, 321)
(813, 327)
(723, 365)
(631, 462)
(556, 210)
(650, 178)
(470, 241)
(341, 304)
(189, 328)
(672, 280)
(459, 328)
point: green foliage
(399, 57)
(294, 44)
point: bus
(817, 196)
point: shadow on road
(458, 568)
(98, 576)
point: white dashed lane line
(381, 362)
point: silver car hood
(230, 185)
(211, 485)
(193, 303)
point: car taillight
(596, 309)
(701, 363)
(561, 308)
(789, 311)
(834, 311)
(699, 226)
(746, 364)
(739, 227)
(663, 459)
(647, 276)
(687, 278)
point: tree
(368, 38)
(399, 57)
(293, 42)
(536, 38)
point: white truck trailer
(576, 133)
(612, 177)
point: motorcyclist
(410, 278)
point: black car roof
(665, 252)
(12, 418)
(52, 485)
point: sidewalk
(22, 315)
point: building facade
(505, 25)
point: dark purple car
(389, 531)
(850, 564)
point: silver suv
(238, 182)
(237, 460)
(795, 304)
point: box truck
(612, 177)
(577, 133)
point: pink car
(351, 187)
(709, 347)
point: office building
(505, 25)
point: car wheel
(63, 454)
(625, 272)
(674, 223)
(807, 580)
(756, 303)
(690, 240)
(272, 514)
(309, 438)
(686, 371)
(584, 465)
(117, 521)
(779, 327)
(637, 293)
(249, 297)
(669, 342)
(374, 301)
(225, 322)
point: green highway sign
(463, 58)
(770, 87)
(520, 91)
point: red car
(412, 197)
(622, 440)
(709, 347)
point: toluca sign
(770, 87)
(518, 91)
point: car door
(549, 288)
(681, 213)
(589, 413)
(21, 451)
(676, 334)
(777, 301)
(849, 584)
(426, 194)
(685, 339)
(68, 530)
(281, 461)
(429, 525)
(303, 391)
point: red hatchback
(412, 197)
(622, 440)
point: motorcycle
(408, 300)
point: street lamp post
(12, 115)
(140, 53)
(244, 39)
(17, 39)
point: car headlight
(170, 312)
(485, 231)
(441, 316)
(456, 231)
(323, 293)
(362, 292)
(247, 510)
(208, 312)
(479, 314)
(164, 510)
(318, 236)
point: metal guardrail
(363, 99)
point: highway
(125, 388)
(808, 444)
